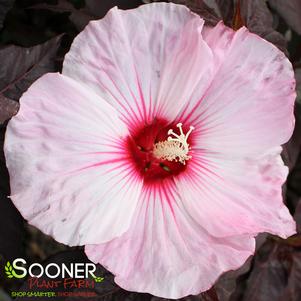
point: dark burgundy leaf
(292, 148)
(209, 295)
(97, 9)
(226, 284)
(8, 108)
(211, 14)
(226, 8)
(297, 215)
(11, 228)
(292, 154)
(5, 6)
(293, 188)
(290, 11)
(258, 18)
(11, 222)
(275, 274)
(94, 9)
(122, 295)
(100, 8)
(79, 17)
(20, 67)
(4, 296)
(40, 246)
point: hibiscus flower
(158, 147)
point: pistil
(175, 148)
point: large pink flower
(158, 147)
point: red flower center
(141, 149)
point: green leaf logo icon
(9, 270)
(98, 279)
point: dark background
(34, 37)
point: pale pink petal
(219, 39)
(70, 175)
(233, 196)
(248, 107)
(146, 62)
(166, 252)
(235, 175)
